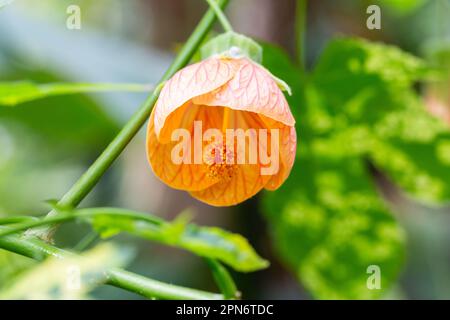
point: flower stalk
(39, 250)
(90, 178)
(223, 279)
(149, 288)
(300, 28)
(226, 25)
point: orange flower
(221, 94)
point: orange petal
(245, 183)
(247, 179)
(287, 142)
(179, 176)
(251, 89)
(184, 117)
(288, 147)
(192, 81)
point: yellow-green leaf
(13, 93)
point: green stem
(86, 241)
(226, 25)
(67, 88)
(82, 213)
(39, 250)
(13, 220)
(223, 279)
(300, 29)
(156, 289)
(89, 179)
(220, 273)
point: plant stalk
(220, 273)
(300, 30)
(90, 178)
(223, 279)
(226, 25)
(149, 288)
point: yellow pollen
(220, 161)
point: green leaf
(48, 140)
(69, 278)
(211, 242)
(413, 148)
(365, 94)
(13, 93)
(231, 44)
(328, 221)
(401, 7)
(331, 227)
(348, 66)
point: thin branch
(90, 178)
(39, 250)
(82, 213)
(226, 25)
(221, 275)
(86, 241)
(300, 29)
(223, 279)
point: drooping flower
(233, 96)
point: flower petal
(251, 89)
(245, 183)
(192, 81)
(247, 179)
(188, 177)
(288, 147)
(287, 142)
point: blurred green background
(46, 144)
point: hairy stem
(89, 179)
(39, 250)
